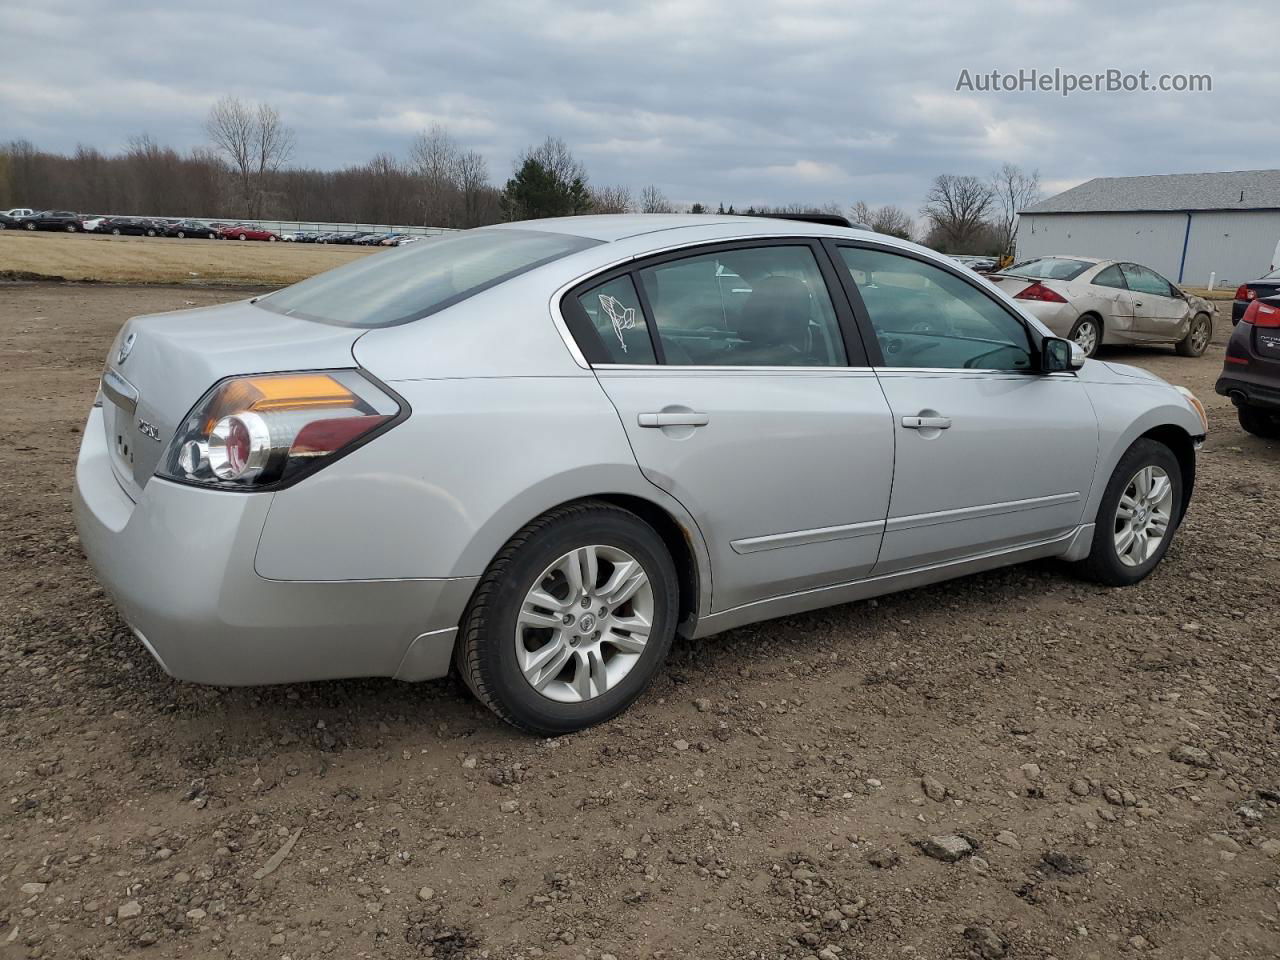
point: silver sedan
(534, 453)
(1096, 302)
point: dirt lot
(766, 799)
(83, 256)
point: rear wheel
(1260, 423)
(1088, 334)
(29, 226)
(115, 231)
(1198, 336)
(181, 235)
(1140, 509)
(571, 620)
(71, 228)
(151, 232)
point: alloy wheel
(1087, 336)
(1143, 516)
(584, 623)
(1200, 334)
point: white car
(1096, 302)
(17, 212)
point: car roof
(611, 227)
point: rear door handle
(926, 423)
(683, 419)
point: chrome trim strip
(895, 524)
(122, 393)
(799, 538)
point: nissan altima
(536, 452)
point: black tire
(1103, 564)
(1096, 322)
(29, 226)
(70, 228)
(211, 235)
(1260, 423)
(485, 654)
(115, 231)
(181, 235)
(242, 237)
(1185, 347)
(151, 233)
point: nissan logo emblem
(126, 348)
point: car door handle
(681, 419)
(926, 423)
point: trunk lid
(1015, 285)
(160, 365)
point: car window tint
(1110, 277)
(758, 306)
(924, 316)
(1050, 268)
(614, 309)
(1142, 280)
(398, 286)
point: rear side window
(614, 310)
(397, 286)
(1111, 277)
(1050, 268)
(758, 306)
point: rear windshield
(396, 286)
(1050, 268)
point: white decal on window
(624, 318)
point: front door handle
(926, 423)
(687, 418)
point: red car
(245, 232)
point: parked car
(131, 226)
(1251, 368)
(51, 220)
(247, 232)
(18, 213)
(980, 265)
(1246, 293)
(190, 228)
(7, 222)
(489, 450)
(1096, 302)
(90, 224)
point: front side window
(1142, 280)
(757, 306)
(423, 278)
(1110, 277)
(924, 316)
(614, 310)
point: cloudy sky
(739, 101)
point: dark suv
(1251, 368)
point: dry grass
(164, 260)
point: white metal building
(1184, 225)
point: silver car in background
(536, 452)
(1096, 302)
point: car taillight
(1038, 291)
(251, 433)
(1262, 315)
(1244, 293)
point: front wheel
(71, 228)
(571, 620)
(1198, 336)
(1088, 334)
(1140, 510)
(29, 226)
(181, 235)
(1259, 422)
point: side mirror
(1058, 355)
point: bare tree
(479, 199)
(611, 199)
(554, 155)
(956, 208)
(653, 200)
(435, 156)
(889, 219)
(1014, 191)
(255, 141)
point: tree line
(245, 172)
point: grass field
(164, 260)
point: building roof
(1172, 192)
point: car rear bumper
(1250, 390)
(179, 565)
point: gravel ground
(1012, 765)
